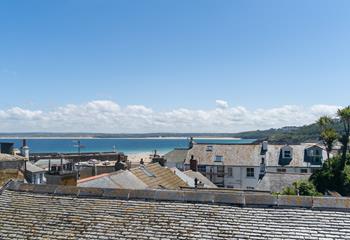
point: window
(287, 154)
(219, 158)
(281, 170)
(221, 171)
(314, 152)
(303, 170)
(201, 168)
(317, 152)
(34, 179)
(250, 172)
(262, 160)
(209, 148)
(230, 172)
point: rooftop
(156, 176)
(120, 179)
(249, 154)
(53, 212)
(176, 156)
(30, 167)
(275, 181)
(227, 141)
(9, 157)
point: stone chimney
(193, 164)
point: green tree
(302, 188)
(324, 122)
(344, 115)
(328, 134)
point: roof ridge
(241, 199)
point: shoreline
(77, 138)
(123, 138)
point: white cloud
(221, 104)
(108, 116)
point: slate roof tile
(28, 215)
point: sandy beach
(136, 157)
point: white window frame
(289, 155)
(220, 157)
(249, 175)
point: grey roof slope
(274, 151)
(176, 156)
(33, 168)
(44, 163)
(201, 178)
(275, 182)
(9, 157)
(247, 154)
(120, 179)
(234, 155)
(28, 215)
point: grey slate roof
(28, 215)
(33, 168)
(120, 179)
(275, 182)
(9, 157)
(176, 155)
(234, 155)
(274, 151)
(201, 178)
(44, 163)
(247, 154)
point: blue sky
(169, 55)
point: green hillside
(291, 135)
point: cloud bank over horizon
(109, 117)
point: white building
(243, 166)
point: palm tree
(324, 122)
(344, 115)
(328, 134)
(328, 137)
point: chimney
(264, 146)
(193, 164)
(25, 149)
(190, 144)
(94, 170)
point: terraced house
(234, 164)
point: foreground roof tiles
(31, 215)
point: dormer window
(209, 148)
(314, 155)
(287, 152)
(219, 158)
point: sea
(125, 145)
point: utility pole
(78, 146)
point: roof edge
(189, 196)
